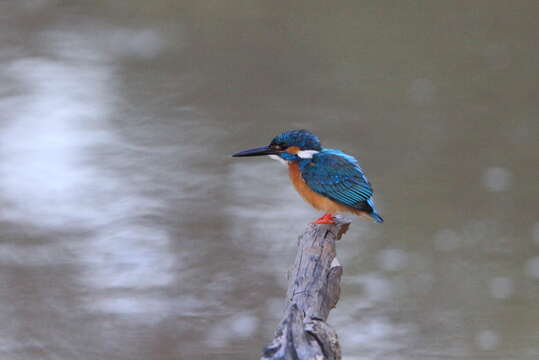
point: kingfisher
(328, 179)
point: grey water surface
(128, 232)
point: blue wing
(339, 177)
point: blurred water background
(127, 231)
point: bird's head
(292, 145)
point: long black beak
(263, 150)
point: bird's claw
(325, 219)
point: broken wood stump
(313, 290)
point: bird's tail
(376, 217)
(373, 213)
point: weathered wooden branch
(313, 290)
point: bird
(328, 179)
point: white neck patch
(279, 159)
(307, 154)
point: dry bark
(313, 290)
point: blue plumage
(338, 176)
(300, 138)
(324, 177)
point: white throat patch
(307, 154)
(279, 159)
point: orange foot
(326, 219)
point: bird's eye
(278, 147)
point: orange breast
(318, 201)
